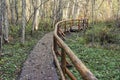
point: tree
(36, 6)
(118, 14)
(23, 20)
(74, 10)
(67, 11)
(12, 9)
(58, 11)
(5, 22)
(86, 8)
(16, 11)
(93, 7)
(1, 15)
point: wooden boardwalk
(39, 64)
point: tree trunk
(54, 12)
(12, 7)
(42, 9)
(5, 21)
(36, 15)
(27, 9)
(1, 15)
(74, 10)
(67, 10)
(118, 15)
(86, 8)
(23, 20)
(93, 7)
(58, 11)
(16, 11)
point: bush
(102, 35)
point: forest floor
(102, 62)
(39, 64)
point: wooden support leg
(63, 62)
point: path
(39, 65)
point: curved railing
(60, 48)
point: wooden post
(78, 24)
(65, 27)
(71, 24)
(63, 61)
(58, 65)
(55, 45)
(87, 23)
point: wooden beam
(70, 74)
(58, 65)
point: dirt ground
(39, 64)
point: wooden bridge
(60, 49)
(40, 63)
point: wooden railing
(63, 51)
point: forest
(24, 22)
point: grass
(103, 62)
(14, 54)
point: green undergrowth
(14, 53)
(103, 61)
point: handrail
(58, 41)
